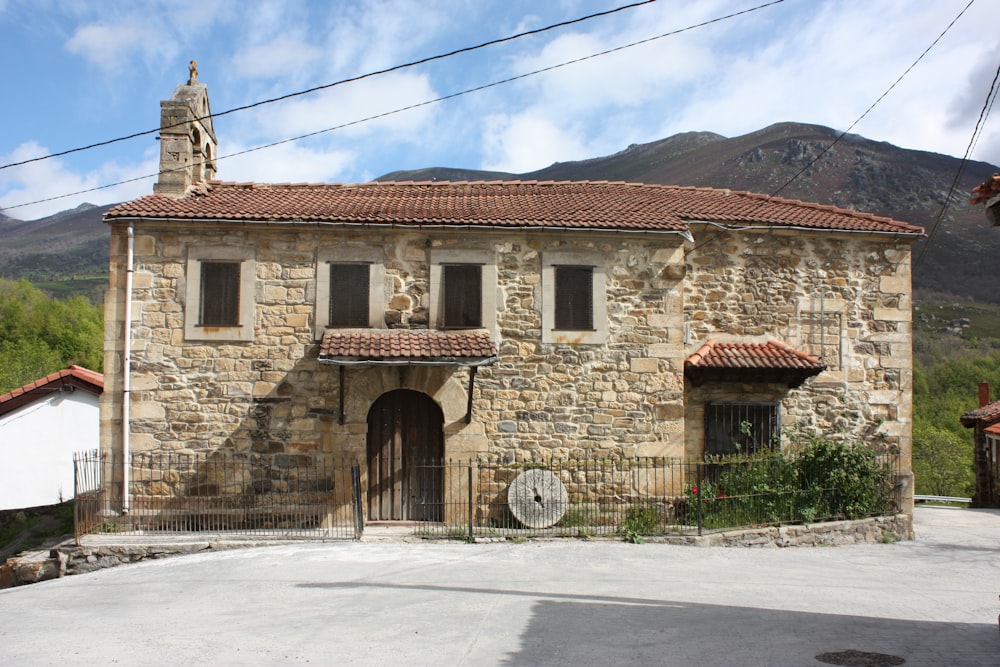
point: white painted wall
(37, 442)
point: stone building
(498, 320)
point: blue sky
(78, 72)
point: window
(574, 302)
(349, 295)
(462, 289)
(350, 288)
(574, 298)
(219, 294)
(740, 428)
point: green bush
(825, 480)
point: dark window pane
(740, 428)
(462, 295)
(220, 294)
(349, 287)
(574, 298)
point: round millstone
(537, 498)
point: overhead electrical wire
(976, 133)
(851, 127)
(424, 103)
(341, 82)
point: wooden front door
(405, 457)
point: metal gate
(405, 449)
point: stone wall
(842, 297)
(845, 297)
(270, 395)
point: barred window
(741, 428)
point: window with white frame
(350, 289)
(463, 289)
(574, 305)
(219, 294)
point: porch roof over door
(396, 347)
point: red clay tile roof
(993, 430)
(407, 346)
(74, 376)
(989, 413)
(508, 204)
(768, 362)
(986, 190)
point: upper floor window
(574, 302)
(463, 296)
(219, 295)
(350, 289)
(463, 289)
(574, 298)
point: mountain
(792, 160)
(855, 173)
(65, 253)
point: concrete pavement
(932, 601)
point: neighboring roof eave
(987, 414)
(72, 378)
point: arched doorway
(405, 453)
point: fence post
(359, 520)
(470, 500)
(698, 468)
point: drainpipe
(126, 366)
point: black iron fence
(306, 495)
(286, 495)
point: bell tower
(188, 147)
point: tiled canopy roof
(766, 362)
(505, 204)
(406, 347)
(76, 377)
(989, 413)
(987, 190)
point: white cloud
(526, 142)
(287, 163)
(108, 46)
(50, 178)
(284, 56)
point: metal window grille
(462, 296)
(741, 428)
(349, 287)
(220, 294)
(574, 306)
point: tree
(41, 335)
(942, 462)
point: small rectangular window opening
(220, 294)
(462, 296)
(349, 289)
(574, 298)
(741, 428)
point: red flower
(694, 489)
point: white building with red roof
(41, 425)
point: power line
(419, 104)
(851, 127)
(976, 132)
(394, 68)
